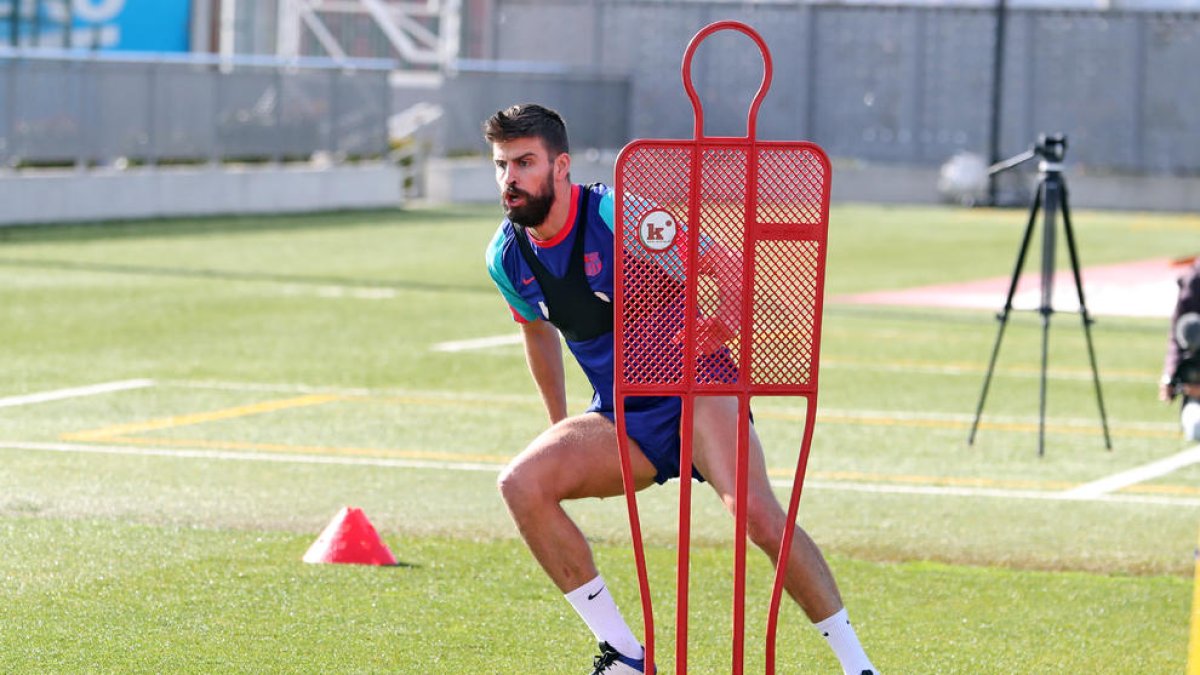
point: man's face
(525, 175)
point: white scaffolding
(419, 33)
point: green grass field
(273, 370)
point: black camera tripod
(1052, 193)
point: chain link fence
(902, 84)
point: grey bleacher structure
(97, 108)
(100, 136)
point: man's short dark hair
(528, 120)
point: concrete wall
(31, 197)
(472, 180)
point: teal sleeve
(495, 267)
(608, 210)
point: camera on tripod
(1051, 147)
(1051, 195)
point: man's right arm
(543, 353)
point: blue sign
(132, 25)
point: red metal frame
(782, 189)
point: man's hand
(1167, 394)
(711, 334)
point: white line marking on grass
(354, 391)
(902, 366)
(250, 456)
(930, 368)
(479, 343)
(74, 392)
(357, 292)
(836, 486)
(944, 491)
(1135, 475)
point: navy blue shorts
(653, 421)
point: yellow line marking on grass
(175, 421)
(398, 462)
(1125, 481)
(863, 477)
(497, 461)
(1163, 489)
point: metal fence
(900, 84)
(90, 109)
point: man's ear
(562, 166)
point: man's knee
(764, 522)
(517, 484)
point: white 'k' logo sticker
(657, 230)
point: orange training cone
(349, 538)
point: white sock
(599, 611)
(844, 642)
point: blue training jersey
(521, 290)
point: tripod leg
(1051, 185)
(1083, 314)
(1003, 315)
(1042, 386)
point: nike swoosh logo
(593, 596)
(527, 281)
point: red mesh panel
(788, 266)
(721, 236)
(653, 252)
(783, 319)
(786, 233)
(790, 186)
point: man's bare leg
(807, 579)
(574, 459)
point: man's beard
(536, 207)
